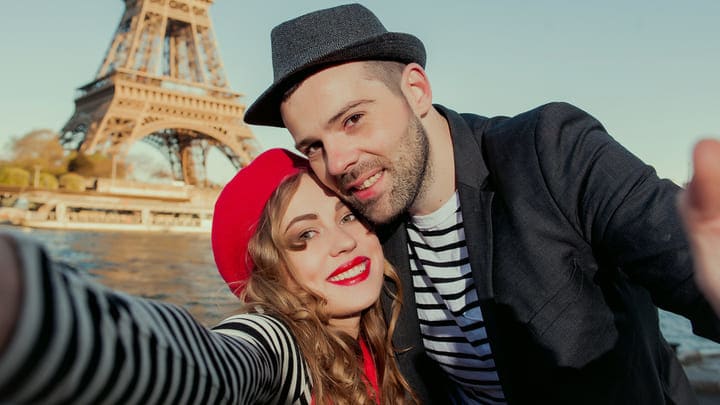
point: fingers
(703, 192)
(700, 208)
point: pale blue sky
(647, 69)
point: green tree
(14, 176)
(48, 181)
(95, 165)
(72, 182)
(40, 150)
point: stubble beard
(410, 173)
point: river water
(180, 269)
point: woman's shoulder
(256, 324)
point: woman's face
(332, 253)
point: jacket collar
(470, 167)
(471, 182)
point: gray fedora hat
(309, 43)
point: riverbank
(703, 371)
(113, 207)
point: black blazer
(573, 241)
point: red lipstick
(359, 267)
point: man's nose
(340, 155)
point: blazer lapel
(471, 180)
(394, 240)
(476, 197)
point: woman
(308, 270)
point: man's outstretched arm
(9, 289)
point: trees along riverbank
(38, 160)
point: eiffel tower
(162, 82)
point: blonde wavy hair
(335, 360)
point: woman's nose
(343, 241)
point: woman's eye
(348, 218)
(307, 235)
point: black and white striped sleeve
(79, 342)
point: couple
(531, 252)
(309, 271)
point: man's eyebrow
(346, 108)
(299, 218)
(310, 140)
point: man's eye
(352, 120)
(312, 149)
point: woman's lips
(353, 272)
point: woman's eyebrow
(300, 218)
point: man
(532, 249)
(700, 208)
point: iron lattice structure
(162, 82)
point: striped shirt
(451, 321)
(79, 342)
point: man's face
(363, 141)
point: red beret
(238, 210)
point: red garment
(370, 371)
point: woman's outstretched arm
(73, 340)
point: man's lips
(352, 272)
(365, 181)
(363, 188)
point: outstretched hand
(700, 208)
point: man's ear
(416, 87)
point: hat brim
(390, 46)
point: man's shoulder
(545, 121)
(553, 111)
(533, 141)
